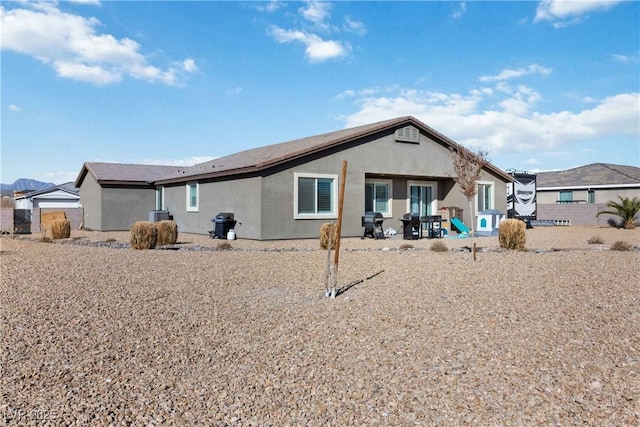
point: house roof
(261, 158)
(123, 173)
(592, 175)
(67, 187)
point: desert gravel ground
(96, 335)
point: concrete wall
(74, 215)
(577, 213)
(6, 220)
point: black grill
(372, 223)
(223, 222)
(411, 226)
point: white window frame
(389, 184)
(160, 195)
(191, 208)
(334, 197)
(492, 199)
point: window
(565, 196)
(377, 196)
(159, 198)
(315, 196)
(484, 196)
(192, 197)
(591, 196)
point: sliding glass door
(422, 197)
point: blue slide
(460, 226)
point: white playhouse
(489, 222)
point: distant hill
(26, 184)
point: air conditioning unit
(155, 216)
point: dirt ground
(94, 333)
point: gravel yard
(95, 335)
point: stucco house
(287, 190)
(578, 194)
(115, 195)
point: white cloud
(317, 49)
(271, 6)
(235, 90)
(354, 26)
(89, 2)
(625, 59)
(566, 12)
(15, 108)
(71, 45)
(317, 12)
(188, 161)
(457, 13)
(500, 121)
(509, 73)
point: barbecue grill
(223, 222)
(372, 223)
(411, 226)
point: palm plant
(627, 209)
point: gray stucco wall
(384, 157)
(124, 206)
(91, 201)
(241, 197)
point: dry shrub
(328, 232)
(144, 235)
(167, 232)
(406, 246)
(595, 240)
(45, 239)
(224, 246)
(512, 234)
(60, 229)
(439, 247)
(620, 245)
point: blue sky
(540, 85)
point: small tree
(627, 209)
(467, 167)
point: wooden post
(336, 253)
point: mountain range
(26, 184)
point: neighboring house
(288, 190)
(578, 194)
(115, 195)
(32, 204)
(60, 196)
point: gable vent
(408, 134)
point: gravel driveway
(94, 335)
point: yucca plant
(627, 209)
